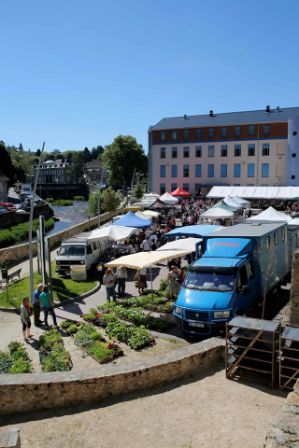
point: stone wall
(13, 255)
(294, 315)
(48, 390)
(285, 432)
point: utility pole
(99, 198)
(30, 224)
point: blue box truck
(240, 264)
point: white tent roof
(270, 214)
(240, 201)
(147, 213)
(229, 200)
(293, 222)
(145, 259)
(217, 212)
(181, 244)
(114, 233)
(255, 192)
(168, 199)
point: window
(186, 171)
(210, 170)
(174, 153)
(174, 187)
(163, 136)
(223, 150)
(224, 132)
(174, 171)
(250, 169)
(198, 151)
(162, 153)
(265, 169)
(237, 131)
(211, 132)
(162, 188)
(211, 151)
(186, 134)
(237, 170)
(223, 170)
(266, 130)
(186, 187)
(265, 149)
(197, 133)
(251, 149)
(251, 130)
(237, 150)
(162, 170)
(283, 234)
(197, 170)
(242, 277)
(186, 152)
(197, 189)
(174, 135)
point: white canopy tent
(229, 200)
(145, 259)
(181, 244)
(243, 202)
(270, 215)
(217, 213)
(114, 233)
(282, 193)
(168, 199)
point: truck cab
(239, 267)
(216, 288)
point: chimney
(268, 108)
(211, 113)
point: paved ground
(207, 412)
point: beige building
(241, 148)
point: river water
(69, 216)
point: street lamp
(99, 197)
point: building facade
(240, 148)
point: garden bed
(15, 360)
(91, 341)
(53, 356)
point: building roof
(277, 115)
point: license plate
(196, 324)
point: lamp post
(99, 198)
(30, 224)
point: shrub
(16, 360)
(5, 362)
(20, 232)
(79, 198)
(21, 365)
(63, 202)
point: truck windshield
(72, 251)
(210, 281)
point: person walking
(122, 275)
(173, 282)
(109, 283)
(36, 305)
(25, 313)
(47, 306)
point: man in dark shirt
(36, 305)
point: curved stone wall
(27, 392)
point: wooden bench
(11, 277)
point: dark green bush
(19, 232)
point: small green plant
(63, 202)
(140, 338)
(53, 355)
(100, 351)
(5, 362)
(16, 360)
(79, 198)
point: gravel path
(208, 412)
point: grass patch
(18, 233)
(62, 202)
(63, 289)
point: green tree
(138, 190)
(77, 165)
(109, 202)
(6, 164)
(122, 158)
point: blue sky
(78, 73)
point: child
(25, 318)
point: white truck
(80, 250)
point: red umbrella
(180, 192)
